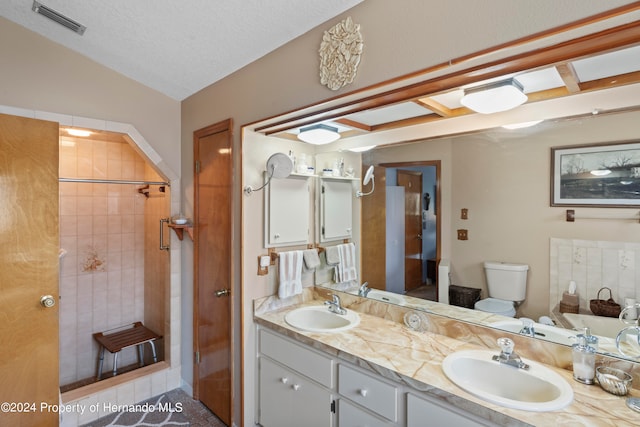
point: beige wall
(400, 37)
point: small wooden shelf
(180, 228)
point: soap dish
(614, 381)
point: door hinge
(323, 230)
(333, 406)
(197, 166)
(322, 189)
(197, 358)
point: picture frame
(596, 175)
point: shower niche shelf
(180, 228)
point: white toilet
(507, 284)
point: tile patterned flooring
(192, 413)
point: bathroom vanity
(381, 373)
(297, 383)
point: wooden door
(373, 232)
(29, 245)
(213, 269)
(412, 183)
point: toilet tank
(506, 281)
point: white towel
(346, 270)
(332, 256)
(290, 272)
(311, 258)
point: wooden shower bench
(137, 335)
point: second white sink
(536, 389)
(318, 318)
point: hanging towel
(311, 258)
(332, 255)
(290, 272)
(346, 269)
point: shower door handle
(163, 247)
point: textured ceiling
(177, 47)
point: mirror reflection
(456, 192)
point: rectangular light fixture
(494, 97)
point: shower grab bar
(111, 181)
(163, 247)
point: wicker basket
(569, 308)
(607, 308)
(463, 296)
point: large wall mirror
(461, 171)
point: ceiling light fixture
(522, 125)
(319, 134)
(494, 97)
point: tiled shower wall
(102, 239)
(594, 265)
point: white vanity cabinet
(422, 412)
(301, 386)
(295, 384)
(336, 208)
(378, 401)
(287, 210)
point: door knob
(47, 301)
(223, 292)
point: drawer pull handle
(296, 387)
(284, 380)
(363, 392)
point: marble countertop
(396, 352)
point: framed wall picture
(596, 175)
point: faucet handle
(506, 346)
(526, 322)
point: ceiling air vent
(58, 17)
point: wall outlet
(462, 235)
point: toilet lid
(493, 305)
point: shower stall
(114, 269)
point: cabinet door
(287, 210)
(335, 209)
(290, 400)
(424, 413)
(351, 416)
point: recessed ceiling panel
(539, 80)
(608, 64)
(450, 99)
(392, 113)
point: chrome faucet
(335, 306)
(364, 289)
(527, 327)
(507, 356)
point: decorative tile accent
(593, 265)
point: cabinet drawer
(305, 361)
(376, 395)
(351, 416)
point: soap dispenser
(584, 361)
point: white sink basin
(545, 332)
(385, 297)
(536, 389)
(318, 318)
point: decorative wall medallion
(93, 261)
(340, 53)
